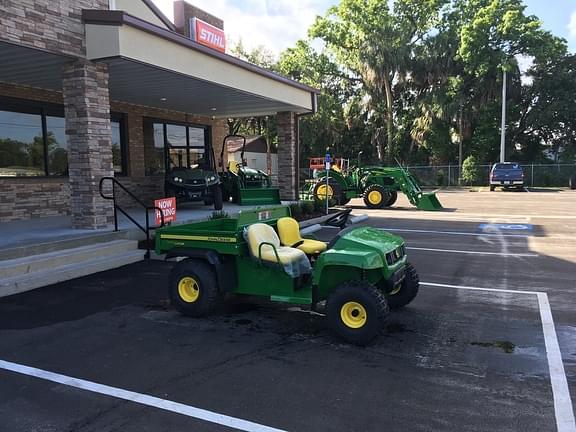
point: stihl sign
(207, 35)
(168, 207)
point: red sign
(207, 35)
(168, 207)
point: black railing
(145, 229)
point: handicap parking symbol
(505, 227)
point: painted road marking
(454, 233)
(563, 408)
(143, 399)
(503, 254)
(505, 227)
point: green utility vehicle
(246, 186)
(361, 274)
(378, 187)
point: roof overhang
(152, 66)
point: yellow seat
(265, 245)
(234, 167)
(289, 231)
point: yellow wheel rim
(323, 191)
(375, 197)
(353, 315)
(188, 289)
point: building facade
(98, 88)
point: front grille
(396, 255)
(195, 182)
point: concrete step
(51, 260)
(57, 245)
(67, 265)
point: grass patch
(506, 346)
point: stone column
(87, 110)
(287, 155)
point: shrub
(296, 210)
(440, 178)
(307, 207)
(219, 214)
(470, 170)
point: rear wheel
(193, 288)
(356, 312)
(323, 191)
(407, 291)
(492, 188)
(376, 197)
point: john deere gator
(361, 274)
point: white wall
(256, 160)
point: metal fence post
(532, 176)
(449, 174)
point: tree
(471, 170)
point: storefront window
(57, 146)
(33, 140)
(186, 146)
(21, 144)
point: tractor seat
(289, 231)
(234, 167)
(294, 261)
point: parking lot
(488, 345)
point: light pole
(503, 127)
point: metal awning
(152, 66)
(156, 67)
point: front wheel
(376, 197)
(407, 291)
(392, 200)
(217, 196)
(356, 312)
(492, 188)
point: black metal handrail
(146, 230)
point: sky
(278, 24)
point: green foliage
(296, 210)
(219, 214)
(307, 207)
(471, 170)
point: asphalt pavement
(470, 353)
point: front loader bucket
(428, 201)
(259, 196)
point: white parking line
(453, 233)
(143, 399)
(503, 254)
(563, 408)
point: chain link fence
(535, 175)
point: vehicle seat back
(289, 231)
(234, 167)
(264, 245)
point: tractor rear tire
(392, 200)
(217, 194)
(193, 288)
(356, 312)
(492, 188)
(573, 182)
(408, 290)
(376, 197)
(333, 185)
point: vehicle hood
(366, 238)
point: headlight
(176, 179)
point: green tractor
(361, 274)
(246, 186)
(378, 187)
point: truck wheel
(356, 312)
(392, 200)
(193, 288)
(217, 194)
(375, 196)
(492, 188)
(408, 289)
(332, 190)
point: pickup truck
(507, 175)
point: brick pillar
(287, 155)
(87, 109)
